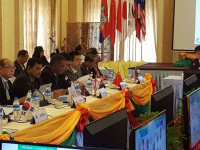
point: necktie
(7, 92)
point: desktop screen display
(194, 117)
(152, 136)
(14, 146)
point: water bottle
(16, 109)
(89, 86)
(1, 119)
(36, 99)
(48, 94)
(77, 88)
(110, 79)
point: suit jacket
(19, 68)
(71, 75)
(195, 64)
(3, 98)
(84, 70)
(93, 71)
(58, 81)
(23, 83)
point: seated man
(88, 64)
(74, 72)
(7, 69)
(20, 61)
(53, 73)
(29, 79)
(195, 64)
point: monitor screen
(164, 99)
(193, 101)
(14, 145)
(191, 80)
(107, 132)
(152, 134)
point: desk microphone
(43, 102)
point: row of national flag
(123, 20)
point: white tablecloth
(52, 111)
(158, 75)
(177, 84)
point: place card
(40, 115)
(123, 85)
(78, 99)
(103, 92)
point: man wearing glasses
(7, 70)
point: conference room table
(52, 111)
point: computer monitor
(150, 135)
(192, 119)
(14, 145)
(107, 132)
(188, 73)
(164, 99)
(190, 83)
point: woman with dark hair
(95, 70)
(39, 53)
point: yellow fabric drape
(142, 92)
(107, 105)
(59, 128)
(120, 66)
(188, 55)
(51, 131)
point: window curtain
(91, 10)
(38, 24)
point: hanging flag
(112, 23)
(137, 18)
(131, 18)
(124, 16)
(119, 16)
(142, 13)
(104, 25)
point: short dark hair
(67, 57)
(37, 51)
(92, 50)
(72, 54)
(56, 59)
(22, 53)
(52, 54)
(78, 48)
(89, 57)
(197, 48)
(32, 61)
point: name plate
(78, 99)
(40, 115)
(123, 85)
(103, 92)
(141, 79)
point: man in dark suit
(88, 64)
(73, 72)
(29, 79)
(53, 73)
(7, 69)
(195, 64)
(20, 61)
